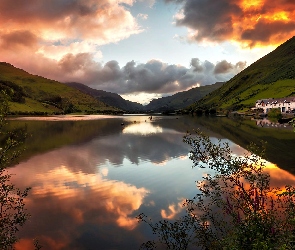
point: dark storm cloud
(151, 77)
(264, 31)
(212, 19)
(37, 10)
(249, 22)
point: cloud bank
(66, 21)
(153, 76)
(51, 29)
(52, 40)
(251, 23)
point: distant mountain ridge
(177, 101)
(111, 99)
(33, 94)
(182, 99)
(272, 76)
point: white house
(286, 105)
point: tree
(274, 114)
(12, 207)
(235, 208)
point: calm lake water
(91, 176)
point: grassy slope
(271, 76)
(182, 99)
(112, 99)
(37, 88)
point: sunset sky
(141, 49)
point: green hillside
(112, 99)
(31, 94)
(272, 76)
(181, 99)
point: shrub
(235, 208)
(274, 113)
(13, 213)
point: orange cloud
(279, 177)
(103, 21)
(252, 23)
(46, 31)
(173, 210)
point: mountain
(32, 94)
(182, 99)
(176, 101)
(109, 98)
(272, 76)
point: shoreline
(62, 117)
(75, 117)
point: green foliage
(14, 91)
(293, 123)
(235, 208)
(274, 113)
(12, 207)
(175, 235)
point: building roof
(277, 100)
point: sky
(141, 49)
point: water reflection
(80, 200)
(266, 123)
(142, 129)
(279, 177)
(65, 205)
(279, 142)
(86, 193)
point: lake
(92, 175)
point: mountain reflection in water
(87, 189)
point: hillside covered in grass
(31, 94)
(182, 99)
(169, 103)
(111, 99)
(272, 76)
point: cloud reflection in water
(81, 199)
(74, 198)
